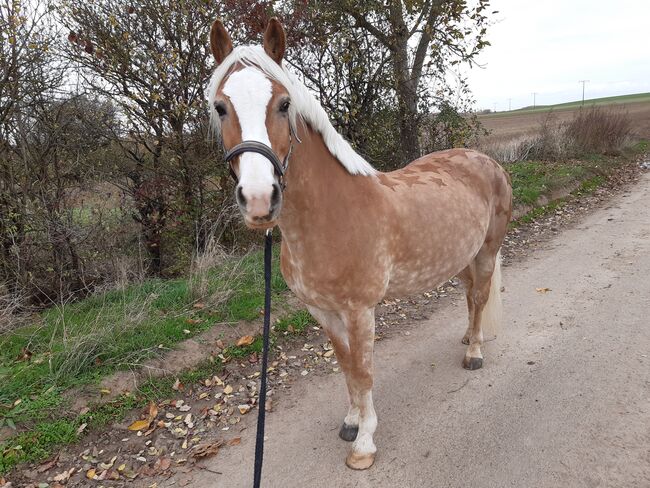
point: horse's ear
(275, 40)
(220, 42)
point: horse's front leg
(338, 336)
(360, 326)
(353, 334)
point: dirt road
(563, 400)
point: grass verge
(79, 343)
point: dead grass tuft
(597, 130)
(592, 130)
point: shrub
(597, 130)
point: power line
(583, 90)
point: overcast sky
(547, 46)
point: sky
(548, 46)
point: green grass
(532, 179)
(616, 100)
(297, 322)
(76, 344)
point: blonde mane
(304, 107)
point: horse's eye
(284, 107)
(220, 108)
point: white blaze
(249, 91)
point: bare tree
(151, 60)
(28, 72)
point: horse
(351, 235)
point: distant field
(506, 125)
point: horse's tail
(493, 311)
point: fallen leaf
(25, 355)
(153, 411)
(162, 464)
(206, 450)
(48, 465)
(81, 428)
(90, 474)
(244, 409)
(108, 465)
(199, 305)
(228, 390)
(246, 340)
(542, 290)
(234, 441)
(139, 425)
(144, 424)
(65, 476)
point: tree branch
(363, 22)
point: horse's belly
(333, 287)
(408, 281)
(432, 265)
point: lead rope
(261, 404)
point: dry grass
(592, 130)
(12, 309)
(598, 130)
(512, 125)
(204, 263)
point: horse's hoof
(472, 363)
(348, 432)
(465, 340)
(359, 461)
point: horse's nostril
(275, 195)
(239, 195)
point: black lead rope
(261, 404)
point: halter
(279, 168)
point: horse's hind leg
(482, 279)
(467, 278)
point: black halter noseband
(279, 167)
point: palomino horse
(350, 234)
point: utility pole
(509, 104)
(534, 95)
(583, 91)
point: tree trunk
(408, 121)
(405, 87)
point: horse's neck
(318, 187)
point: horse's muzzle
(260, 211)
